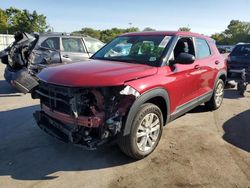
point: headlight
(128, 90)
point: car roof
(242, 44)
(171, 33)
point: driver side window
(184, 45)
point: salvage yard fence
(5, 41)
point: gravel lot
(200, 149)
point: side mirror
(184, 58)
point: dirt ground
(200, 149)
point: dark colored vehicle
(30, 53)
(239, 58)
(130, 89)
(225, 48)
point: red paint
(94, 73)
(183, 82)
(92, 121)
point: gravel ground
(200, 149)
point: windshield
(134, 49)
(241, 50)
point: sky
(202, 16)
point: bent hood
(94, 73)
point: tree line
(13, 19)
(237, 31)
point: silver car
(54, 48)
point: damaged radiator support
(84, 116)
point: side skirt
(190, 105)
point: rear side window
(202, 48)
(72, 45)
(51, 43)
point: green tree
(23, 20)
(104, 35)
(88, 31)
(148, 29)
(184, 29)
(108, 34)
(3, 21)
(236, 31)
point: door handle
(197, 67)
(66, 56)
(217, 62)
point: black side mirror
(185, 58)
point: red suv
(130, 89)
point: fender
(157, 92)
(219, 74)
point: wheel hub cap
(148, 132)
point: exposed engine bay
(88, 117)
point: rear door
(206, 61)
(73, 49)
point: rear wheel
(145, 132)
(217, 98)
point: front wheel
(217, 98)
(145, 132)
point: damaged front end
(88, 117)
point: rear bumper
(20, 79)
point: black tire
(212, 104)
(129, 143)
(241, 87)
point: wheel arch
(157, 96)
(221, 75)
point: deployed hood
(94, 73)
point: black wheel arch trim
(156, 92)
(219, 74)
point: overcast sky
(202, 16)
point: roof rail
(55, 33)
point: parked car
(69, 49)
(239, 58)
(30, 53)
(128, 97)
(225, 48)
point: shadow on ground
(6, 90)
(27, 153)
(237, 131)
(232, 94)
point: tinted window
(72, 45)
(241, 50)
(202, 48)
(51, 43)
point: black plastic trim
(190, 105)
(157, 92)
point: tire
(146, 130)
(217, 98)
(241, 87)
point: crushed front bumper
(65, 132)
